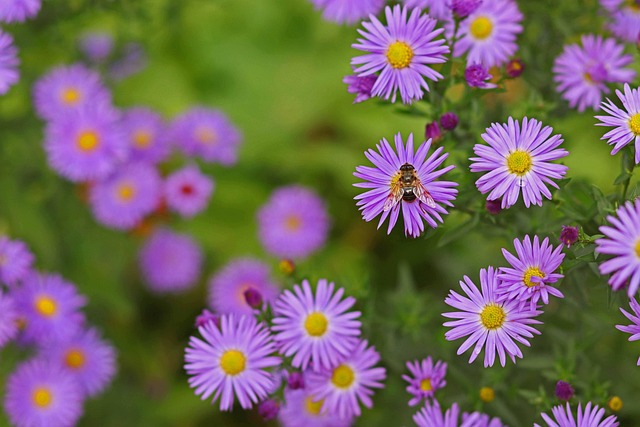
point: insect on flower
(406, 185)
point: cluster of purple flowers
(43, 312)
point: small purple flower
(96, 46)
(449, 121)
(344, 387)
(488, 322)
(401, 53)
(360, 86)
(426, 378)
(293, 223)
(493, 206)
(8, 319)
(187, 191)
(478, 76)
(170, 262)
(624, 20)
(432, 131)
(232, 362)
(625, 122)
(268, 409)
(228, 287)
(463, 8)
(18, 10)
(295, 380)
(438, 9)
(634, 328)
(514, 68)
(348, 11)
(205, 317)
(302, 409)
(9, 74)
(16, 261)
(420, 200)
(592, 416)
(431, 416)
(564, 391)
(569, 235)
(517, 160)
(146, 135)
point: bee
(408, 187)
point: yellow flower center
(74, 358)
(206, 136)
(45, 306)
(312, 406)
(292, 223)
(42, 397)
(316, 324)
(634, 124)
(487, 394)
(126, 192)
(633, 5)
(399, 55)
(70, 96)
(233, 362)
(529, 273)
(481, 27)
(492, 316)
(141, 139)
(637, 247)
(425, 385)
(88, 141)
(343, 376)
(615, 403)
(519, 162)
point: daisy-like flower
(582, 72)
(360, 86)
(15, 261)
(146, 135)
(634, 328)
(518, 160)
(477, 75)
(487, 322)
(302, 409)
(531, 272)
(400, 52)
(622, 240)
(206, 133)
(591, 416)
(232, 362)
(488, 35)
(18, 10)
(625, 18)
(343, 388)
(9, 74)
(315, 329)
(405, 181)
(348, 11)
(438, 9)
(86, 357)
(187, 191)
(625, 121)
(8, 319)
(293, 223)
(426, 378)
(40, 394)
(170, 262)
(126, 197)
(230, 287)
(66, 89)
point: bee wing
(394, 197)
(423, 195)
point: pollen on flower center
(88, 141)
(343, 376)
(316, 324)
(206, 136)
(481, 27)
(45, 306)
(70, 96)
(634, 124)
(532, 272)
(519, 162)
(126, 192)
(425, 384)
(292, 223)
(399, 54)
(42, 397)
(233, 362)
(74, 358)
(142, 139)
(313, 407)
(492, 316)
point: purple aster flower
(126, 197)
(622, 240)
(232, 362)
(405, 181)
(624, 20)
(39, 394)
(9, 74)
(438, 9)
(315, 329)
(207, 133)
(96, 46)
(592, 416)
(531, 272)
(170, 262)
(478, 76)
(449, 121)
(488, 35)
(348, 11)
(293, 223)
(268, 409)
(464, 8)
(431, 416)
(361, 86)
(569, 235)
(89, 359)
(432, 131)
(582, 72)
(66, 89)
(15, 261)
(146, 135)
(514, 68)
(343, 388)
(564, 391)
(8, 319)
(487, 322)
(634, 328)
(205, 317)
(18, 10)
(426, 378)
(228, 287)
(400, 52)
(302, 409)
(50, 308)
(625, 122)
(187, 191)
(518, 160)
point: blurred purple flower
(146, 135)
(449, 121)
(16, 261)
(569, 235)
(348, 11)
(302, 409)
(205, 317)
(9, 73)
(564, 391)
(268, 409)
(463, 8)
(96, 46)
(478, 76)
(187, 191)
(360, 86)
(18, 10)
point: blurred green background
(276, 68)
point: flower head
(624, 20)
(591, 416)
(514, 68)
(564, 391)
(405, 181)
(15, 261)
(8, 319)
(187, 191)
(268, 409)
(432, 131)
(477, 75)
(302, 409)
(96, 46)
(488, 322)
(625, 121)
(518, 160)
(426, 378)
(360, 86)
(634, 328)
(431, 415)
(315, 329)
(18, 10)
(569, 235)
(9, 74)
(348, 11)
(146, 135)
(400, 52)
(449, 121)
(232, 362)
